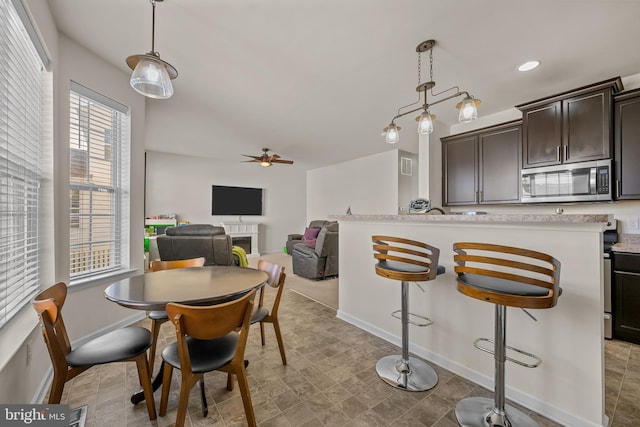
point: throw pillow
(310, 236)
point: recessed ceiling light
(529, 65)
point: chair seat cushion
(206, 355)
(158, 315)
(502, 286)
(115, 346)
(404, 267)
(259, 314)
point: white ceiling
(317, 80)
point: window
(22, 71)
(98, 183)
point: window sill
(102, 279)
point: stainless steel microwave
(573, 182)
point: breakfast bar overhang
(568, 386)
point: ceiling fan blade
(253, 157)
(251, 161)
(275, 156)
(286, 162)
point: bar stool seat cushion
(502, 286)
(406, 267)
(115, 346)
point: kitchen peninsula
(569, 385)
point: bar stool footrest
(537, 361)
(398, 315)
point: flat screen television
(235, 200)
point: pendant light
(151, 75)
(468, 106)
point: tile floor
(330, 381)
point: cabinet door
(499, 166)
(626, 309)
(542, 135)
(627, 148)
(460, 160)
(586, 127)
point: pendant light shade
(391, 133)
(151, 75)
(468, 110)
(425, 123)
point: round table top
(197, 285)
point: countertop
(488, 218)
(633, 248)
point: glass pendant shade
(392, 134)
(425, 123)
(468, 110)
(150, 78)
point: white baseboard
(556, 414)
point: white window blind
(21, 100)
(98, 183)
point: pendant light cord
(153, 27)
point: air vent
(406, 166)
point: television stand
(241, 231)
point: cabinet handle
(558, 153)
(617, 188)
(566, 153)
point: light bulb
(425, 123)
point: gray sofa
(295, 238)
(319, 262)
(196, 240)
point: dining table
(207, 285)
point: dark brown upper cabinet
(627, 145)
(482, 166)
(570, 127)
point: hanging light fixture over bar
(468, 106)
(151, 75)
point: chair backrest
(181, 263)
(276, 280)
(196, 240)
(48, 304)
(398, 249)
(210, 322)
(509, 263)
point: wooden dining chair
(262, 314)
(158, 317)
(126, 344)
(206, 340)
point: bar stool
(416, 262)
(523, 278)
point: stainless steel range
(610, 237)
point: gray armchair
(196, 240)
(321, 261)
(294, 239)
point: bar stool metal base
(412, 376)
(480, 412)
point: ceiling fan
(267, 159)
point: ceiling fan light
(468, 110)
(391, 133)
(425, 123)
(151, 78)
(265, 163)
